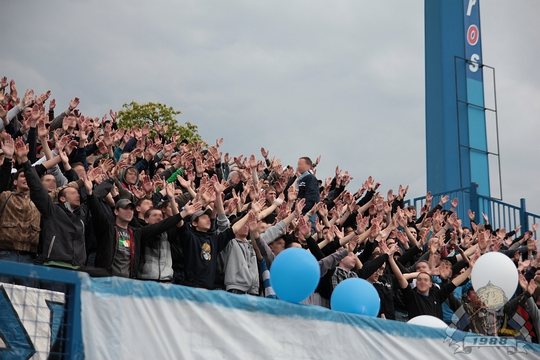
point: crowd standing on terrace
(80, 192)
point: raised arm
(403, 283)
(269, 210)
(38, 194)
(8, 147)
(219, 187)
(458, 280)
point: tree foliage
(160, 117)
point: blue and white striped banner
(127, 319)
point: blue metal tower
(456, 137)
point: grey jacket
(271, 234)
(534, 313)
(240, 266)
(157, 260)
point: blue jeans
(20, 257)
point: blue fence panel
(40, 312)
(532, 219)
(499, 213)
(503, 215)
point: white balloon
(429, 321)
(497, 269)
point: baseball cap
(200, 213)
(124, 204)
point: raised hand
(322, 209)
(118, 135)
(87, 180)
(258, 205)
(13, 90)
(183, 182)
(73, 104)
(21, 150)
(443, 200)
(113, 115)
(292, 193)
(403, 191)
(384, 247)
(390, 196)
(214, 152)
(70, 146)
(401, 219)
(43, 132)
(374, 230)
(139, 194)
(454, 203)
(191, 208)
(471, 215)
(279, 200)
(429, 198)
(102, 147)
(148, 185)
(28, 98)
(402, 238)
(531, 288)
(52, 104)
(35, 115)
(252, 222)
(299, 207)
(7, 145)
(303, 227)
(3, 111)
(219, 187)
(108, 139)
(145, 130)
(63, 157)
(361, 222)
(317, 161)
(137, 133)
(264, 152)
(252, 162)
(169, 190)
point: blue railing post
(523, 218)
(474, 206)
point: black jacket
(200, 251)
(62, 231)
(308, 188)
(107, 242)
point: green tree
(160, 117)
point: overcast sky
(344, 79)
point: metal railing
(499, 213)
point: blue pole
(524, 219)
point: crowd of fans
(79, 192)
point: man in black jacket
(62, 224)
(426, 299)
(308, 186)
(119, 245)
(201, 245)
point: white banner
(127, 319)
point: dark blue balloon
(294, 274)
(356, 296)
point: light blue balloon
(294, 274)
(356, 296)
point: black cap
(200, 213)
(124, 204)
